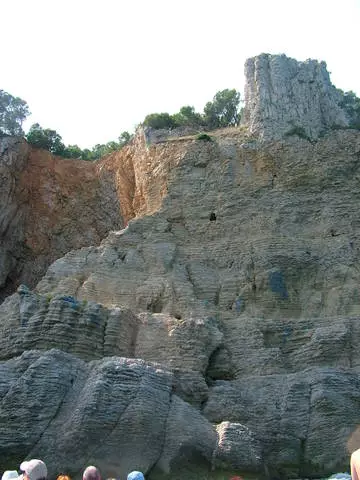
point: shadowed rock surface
(114, 413)
(239, 276)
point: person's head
(34, 470)
(63, 477)
(135, 476)
(10, 475)
(91, 473)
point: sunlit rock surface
(237, 272)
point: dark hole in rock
(212, 217)
(155, 306)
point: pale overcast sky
(91, 69)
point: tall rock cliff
(217, 331)
(49, 206)
(283, 96)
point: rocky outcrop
(256, 241)
(238, 277)
(245, 230)
(90, 331)
(52, 205)
(284, 96)
(115, 413)
(49, 206)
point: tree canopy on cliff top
(13, 111)
(223, 111)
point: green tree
(13, 111)
(124, 138)
(112, 146)
(187, 117)
(99, 151)
(87, 154)
(45, 138)
(159, 120)
(223, 111)
(73, 151)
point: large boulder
(116, 413)
(302, 421)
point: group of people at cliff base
(36, 470)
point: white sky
(91, 69)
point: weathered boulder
(29, 321)
(303, 421)
(116, 413)
(238, 447)
(284, 96)
(73, 413)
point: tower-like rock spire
(284, 96)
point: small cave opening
(155, 305)
(219, 366)
(212, 217)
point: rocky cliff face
(284, 96)
(235, 282)
(48, 206)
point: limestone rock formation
(238, 445)
(237, 272)
(49, 206)
(257, 241)
(276, 268)
(283, 242)
(283, 96)
(115, 413)
(88, 330)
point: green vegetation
(187, 117)
(13, 111)
(204, 136)
(45, 138)
(52, 141)
(159, 120)
(223, 111)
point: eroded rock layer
(49, 206)
(239, 278)
(116, 413)
(244, 284)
